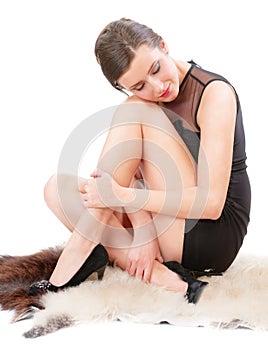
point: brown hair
(117, 43)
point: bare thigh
(168, 166)
(62, 195)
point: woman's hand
(141, 259)
(102, 191)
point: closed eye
(156, 68)
(139, 88)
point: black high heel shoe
(96, 262)
(195, 287)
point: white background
(50, 82)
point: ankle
(175, 284)
(79, 244)
(72, 258)
(168, 279)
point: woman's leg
(144, 133)
(130, 142)
(63, 198)
(115, 238)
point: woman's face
(152, 75)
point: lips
(166, 92)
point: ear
(164, 47)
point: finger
(132, 269)
(85, 203)
(128, 264)
(89, 186)
(84, 197)
(160, 258)
(147, 273)
(96, 173)
(139, 272)
(81, 186)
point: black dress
(212, 244)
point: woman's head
(133, 57)
(117, 44)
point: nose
(157, 85)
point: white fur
(238, 298)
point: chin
(176, 91)
(172, 97)
(173, 94)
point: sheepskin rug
(238, 299)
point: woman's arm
(216, 119)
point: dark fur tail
(17, 273)
(54, 324)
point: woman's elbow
(214, 208)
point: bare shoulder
(219, 91)
(219, 98)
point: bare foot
(162, 276)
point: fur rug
(238, 299)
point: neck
(183, 68)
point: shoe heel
(100, 272)
(195, 287)
(195, 290)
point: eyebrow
(133, 86)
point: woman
(171, 185)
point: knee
(50, 191)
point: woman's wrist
(144, 234)
(126, 195)
(133, 198)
